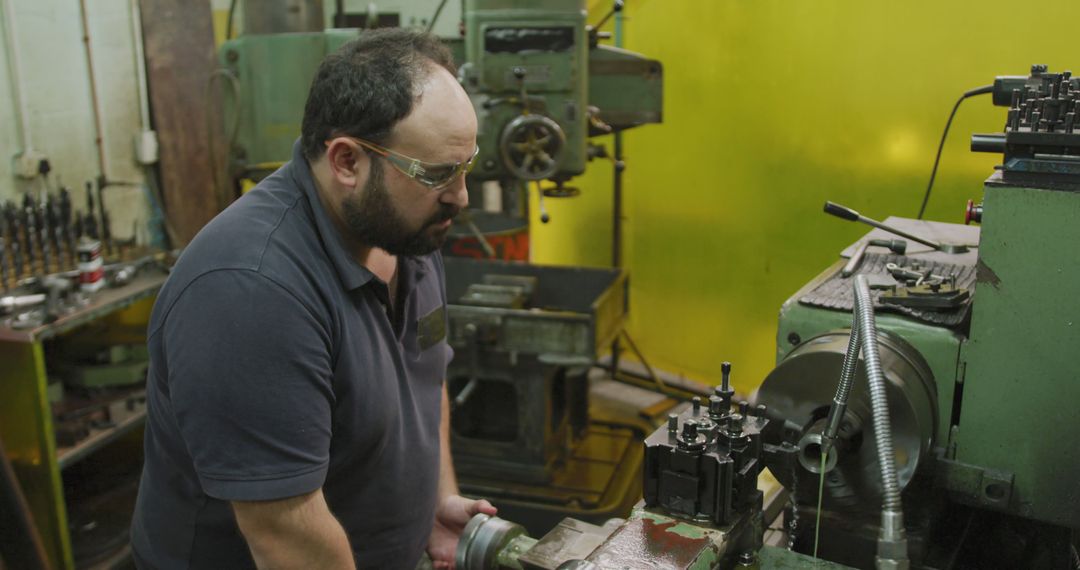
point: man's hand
(451, 516)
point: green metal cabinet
(1020, 383)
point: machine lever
(519, 73)
(466, 218)
(846, 213)
(841, 211)
(544, 216)
(472, 334)
(616, 7)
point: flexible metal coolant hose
(843, 390)
(864, 315)
(892, 542)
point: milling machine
(542, 85)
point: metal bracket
(978, 486)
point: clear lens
(434, 176)
(440, 175)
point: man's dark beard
(372, 220)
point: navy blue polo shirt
(277, 369)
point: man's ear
(348, 163)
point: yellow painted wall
(772, 107)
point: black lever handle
(841, 211)
(849, 214)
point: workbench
(26, 415)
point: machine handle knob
(973, 213)
(841, 211)
(897, 246)
(690, 431)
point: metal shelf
(101, 303)
(68, 456)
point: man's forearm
(447, 479)
(299, 532)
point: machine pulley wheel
(531, 147)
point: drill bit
(11, 217)
(3, 254)
(33, 248)
(90, 221)
(106, 231)
(56, 233)
(45, 235)
(65, 225)
(78, 230)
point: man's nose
(456, 194)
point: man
(297, 411)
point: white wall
(414, 13)
(55, 83)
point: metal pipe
(619, 166)
(140, 65)
(16, 75)
(435, 17)
(99, 134)
(617, 195)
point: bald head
(441, 127)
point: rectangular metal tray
(574, 313)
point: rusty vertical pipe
(99, 133)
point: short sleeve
(250, 385)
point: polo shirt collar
(352, 274)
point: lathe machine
(970, 389)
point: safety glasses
(434, 176)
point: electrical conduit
(12, 49)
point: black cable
(229, 21)
(641, 357)
(937, 159)
(435, 18)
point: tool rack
(26, 418)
